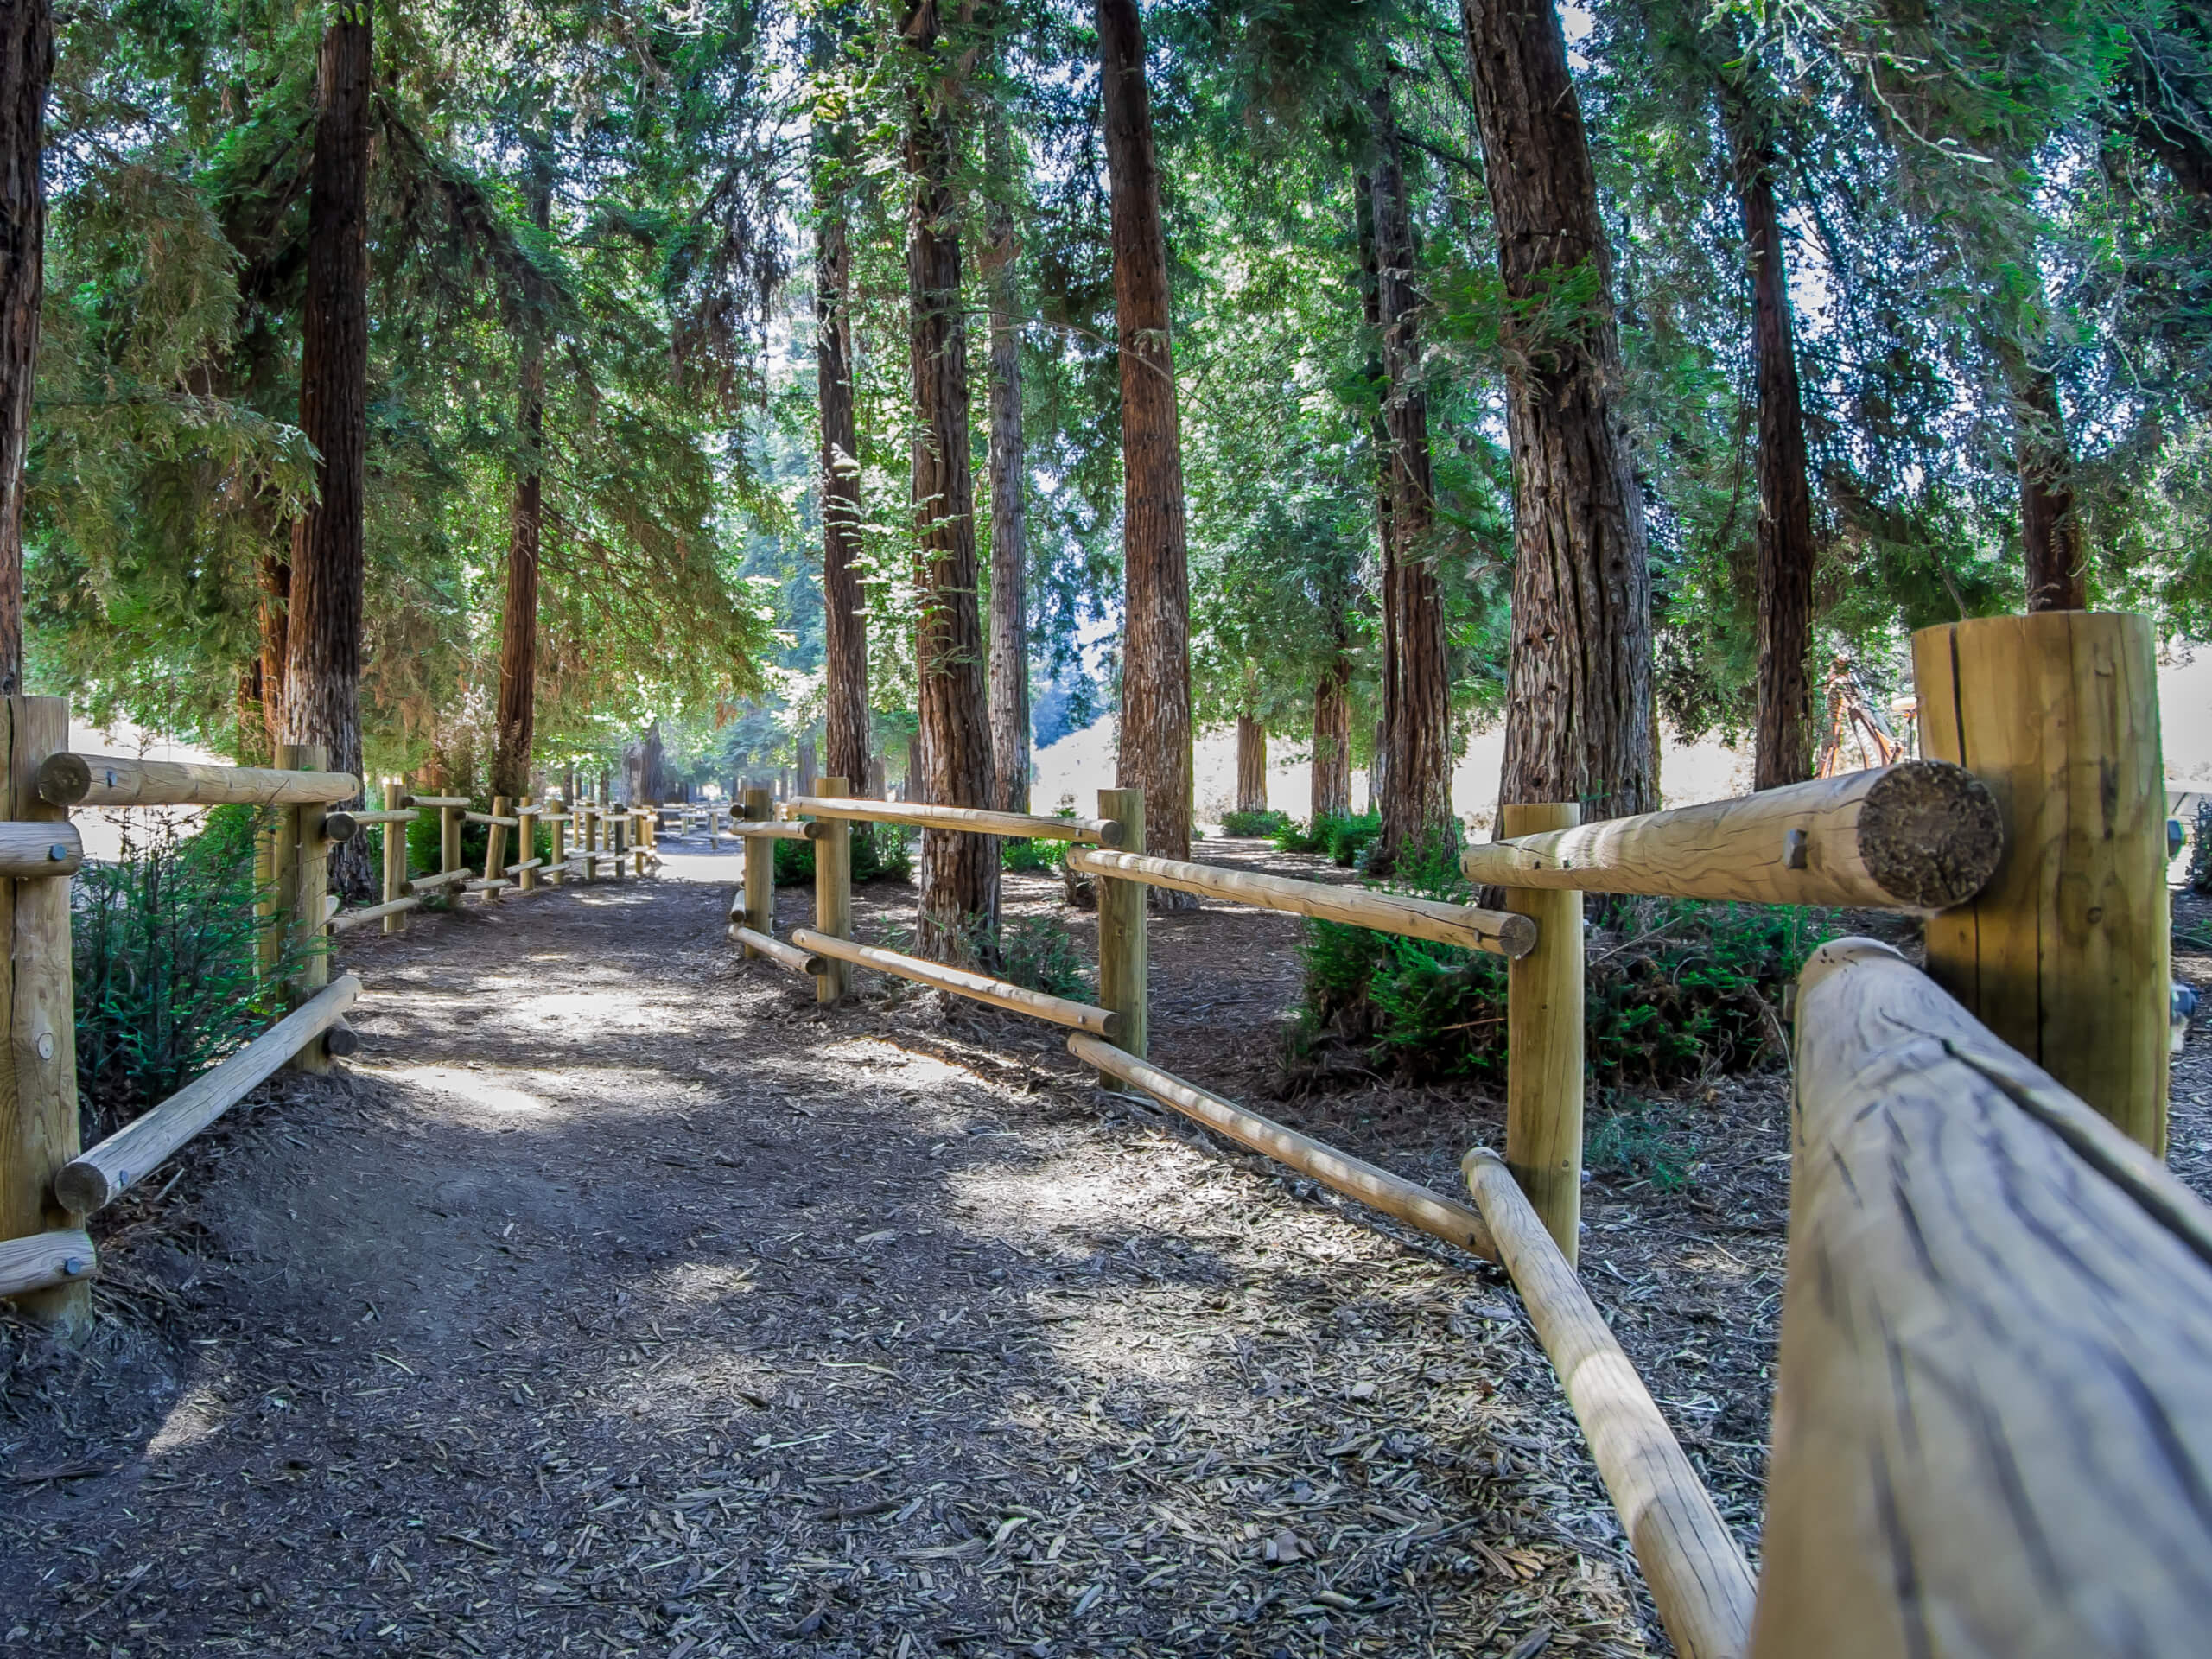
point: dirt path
(618, 1301)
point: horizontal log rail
(1497, 932)
(1922, 836)
(346, 920)
(999, 993)
(442, 879)
(96, 1177)
(1377, 1188)
(33, 851)
(766, 945)
(770, 831)
(974, 820)
(435, 800)
(394, 815)
(45, 1260)
(527, 864)
(1700, 1580)
(491, 818)
(1991, 1428)
(71, 779)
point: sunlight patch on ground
(197, 1415)
(479, 1089)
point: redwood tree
(1783, 752)
(322, 669)
(1416, 681)
(2050, 531)
(518, 710)
(959, 873)
(1579, 709)
(844, 611)
(26, 65)
(1155, 735)
(1009, 658)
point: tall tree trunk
(844, 611)
(2057, 564)
(1251, 765)
(1378, 439)
(518, 710)
(1578, 722)
(1417, 806)
(960, 873)
(322, 668)
(1009, 666)
(1155, 735)
(1783, 754)
(26, 65)
(1331, 781)
(276, 578)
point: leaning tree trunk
(322, 668)
(1784, 747)
(26, 65)
(1009, 665)
(1155, 735)
(1579, 715)
(1331, 780)
(517, 709)
(1417, 805)
(960, 873)
(844, 611)
(2057, 567)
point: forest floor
(617, 1299)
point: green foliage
(1652, 1140)
(881, 852)
(1344, 837)
(165, 940)
(1039, 952)
(2200, 850)
(1017, 854)
(1263, 825)
(1683, 990)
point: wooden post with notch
(38, 1086)
(395, 860)
(1543, 1039)
(1124, 964)
(833, 889)
(307, 942)
(449, 839)
(760, 898)
(563, 815)
(525, 846)
(2065, 954)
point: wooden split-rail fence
(1992, 1425)
(48, 1184)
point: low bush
(1017, 854)
(1039, 952)
(1263, 824)
(881, 852)
(2199, 850)
(1339, 836)
(1674, 989)
(165, 940)
(1649, 1140)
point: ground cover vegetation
(505, 391)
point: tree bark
(26, 66)
(275, 575)
(1009, 665)
(1155, 733)
(517, 709)
(1417, 727)
(1578, 723)
(1251, 765)
(844, 610)
(322, 669)
(1331, 784)
(959, 873)
(1783, 752)
(2058, 573)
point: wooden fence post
(395, 860)
(588, 837)
(275, 868)
(1124, 962)
(2065, 955)
(833, 888)
(495, 846)
(449, 839)
(760, 898)
(1543, 1042)
(526, 846)
(303, 897)
(38, 1087)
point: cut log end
(340, 826)
(341, 1042)
(64, 779)
(1929, 832)
(83, 1188)
(1517, 934)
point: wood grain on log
(999, 993)
(67, 779)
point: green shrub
(2199, 850)
(1295, 837)
(1263, 823)
(1343, 839)
(1039, 952)
(1017, 854)
(165, 940)
(1650, 1139)
(1682, 988)
(881, 852)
